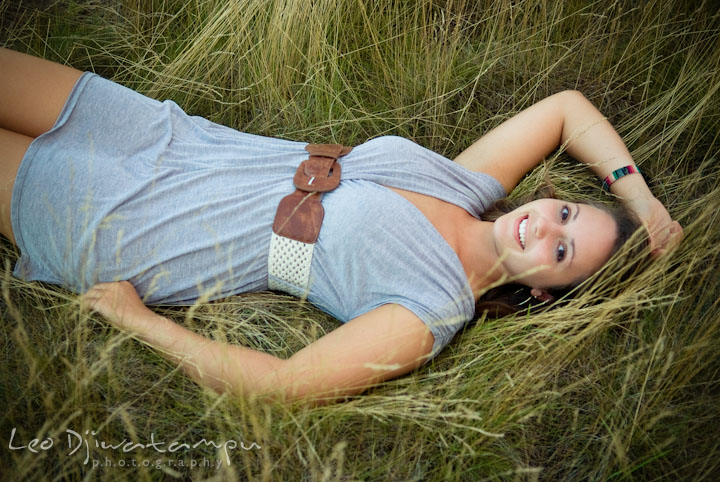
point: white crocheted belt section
(289, 261)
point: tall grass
(623, 389)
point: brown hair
(513, 297)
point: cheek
(528, 266)
(542, 254)
(501, 227)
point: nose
(545, 227)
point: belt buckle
(317, 174)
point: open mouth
(522, 226)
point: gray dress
(128, 188)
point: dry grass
(620, 384)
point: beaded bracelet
(618, 173)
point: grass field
(624, 389)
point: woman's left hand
(118, 302)
(665, 234)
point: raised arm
(516, 146)
(382, 344)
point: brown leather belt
(300, 214)
(299, 218)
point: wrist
(629, 185)
(140, 322)
(619, 173)
(633, 192)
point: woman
(101, 184)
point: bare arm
(516, 146)
(382, 344)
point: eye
(564, 213)
(561, 252)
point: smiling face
(562, 243)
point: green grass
(625, 389)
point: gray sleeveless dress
(128, 188)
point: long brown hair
(513, 297)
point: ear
(542, 295)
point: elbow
(249, 375)
(291, 384)
(571, 96)
(266, 383)
(275, 383)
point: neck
(477, 253)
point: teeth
(521, 231)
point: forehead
(592, 233)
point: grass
(624, 389)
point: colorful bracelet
(618, 173)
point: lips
(518, 237)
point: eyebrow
(572, 241)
